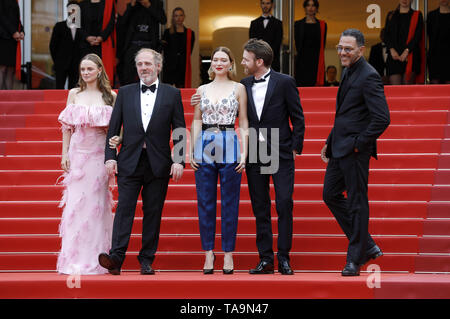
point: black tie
(151, 88)
(263, 79)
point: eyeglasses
(339, 49)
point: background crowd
(399, 57)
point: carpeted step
(178, 208)
(438, 209)
(382, 192)
(246, 225)
(181, 261)
(312, 132)
(244, 243)
(306, 176)
(388, 146)
(434, 244)
(311, 161)
(432, 263)
(436, 226)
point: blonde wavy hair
(232, 72)
(102, 80)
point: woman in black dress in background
(310, 38)
(92, 30)
(438, 30)
(177, 64)
(10, 34)
(403, 35)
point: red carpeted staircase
(409, 196)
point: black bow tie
(151, 88)
(263, 79)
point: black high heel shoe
(210, 271)
(228, 271)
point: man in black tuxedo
(273, 100)
(378, 56)
(362, 115)
(331, 76)
(148, 111)
(269, 29)
(65, 51)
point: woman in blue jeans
(217, 151)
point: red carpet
(409, 195)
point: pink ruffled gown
(87, 219)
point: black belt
(221, 127)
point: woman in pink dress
(86, 223)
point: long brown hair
(172, 26)
(102, 81)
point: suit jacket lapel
(248, 84)
(347, 83)
(341, 89)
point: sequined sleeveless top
(222, 112)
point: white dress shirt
(259, 91)
(147, 104)
(266, 20)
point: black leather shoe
(264, 267)
(284, 268)
(351, 269)
(146, 269)
(372, 253)
(106, 261)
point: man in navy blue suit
(362, 115)
(273, 101)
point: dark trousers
(62, 75)
(154, 192)
(350, 173)
(259, 189)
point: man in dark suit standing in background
(269, 29)
(273, 101)
(138, 28)
(65, 51)
(378, 56)
(149, 111)
(362, 115)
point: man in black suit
(65, 51)
(273, 100)
(138, 28)
(362, 115)
(269, 29)
(378, 57)
(148, 111)
(331, 76)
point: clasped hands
(145, 3)
(18, 36)
(93, 40)
(403, 57)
